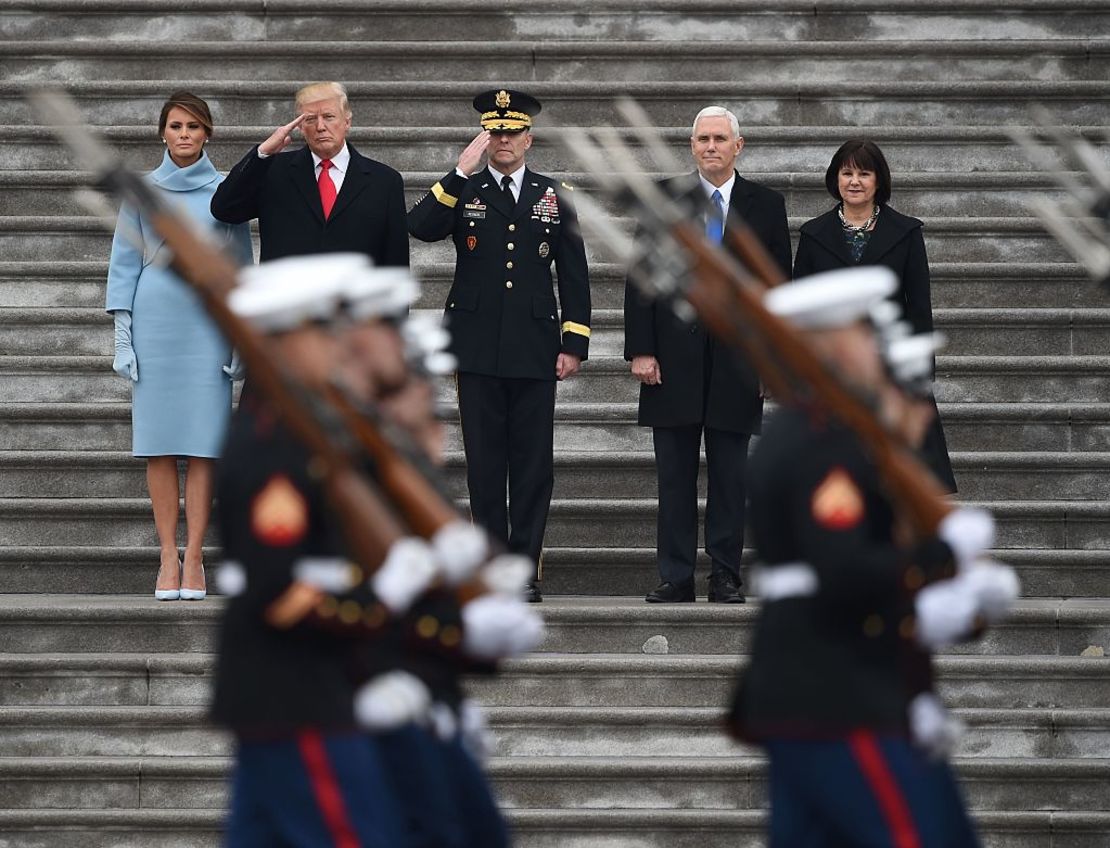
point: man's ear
(528, 141)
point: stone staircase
(102, 733)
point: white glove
(460, 548)
(498, 626)
(124, 362)
(235, 369)
(442, 721)
(995, 587)
(231, 578)
(946, 612)
(933, 728)
(391, 700)
(508, 574)
(476, 736)
(409, 568)
(968, 532)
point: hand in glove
(235, 369)
(476, 736)
(408, 570)
(968, 532)
(497, 626)
(391, 700)
(933, 728)
(124, 363)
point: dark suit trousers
(508, 428)
(677, 461)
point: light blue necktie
(715, 224)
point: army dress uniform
(304, 774)
(506, 325)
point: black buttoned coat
(281, 192)
(704, 381)
(501, 310)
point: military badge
(471, 242)
(474, 209)
(547, 208)
(279, 513)
(502, 99)
(837, 503)
(545, 249)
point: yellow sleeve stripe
(443, 197)
(581, 329)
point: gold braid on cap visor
(506, 121)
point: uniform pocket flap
(464, 298)
(544, 307)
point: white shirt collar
(517, 177)
(339, 161)
(725, 190)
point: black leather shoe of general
(723, 589)
(671, 593)
(532, 592)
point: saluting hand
(281, 138)
(471, 158)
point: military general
(513, 339)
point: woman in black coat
(864, 230)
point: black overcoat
(501, 309)
(896, 242)
(281, 192)
(704, 382)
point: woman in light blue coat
(180, 366)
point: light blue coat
(181, 402)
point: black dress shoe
(532, 592)
(671, 593)
(723, 589)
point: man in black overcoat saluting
(690, 383)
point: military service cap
(504, 110)
(832, 299)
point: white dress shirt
(338, 170)
(516, 176)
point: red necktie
(327, 188)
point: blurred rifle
(671, 260)
(1081, 221)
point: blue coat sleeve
(126, 262)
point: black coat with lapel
(501, 309)
(704, 382)
(281, 192)
(896, 242)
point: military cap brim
(506, 110)
(832, 299)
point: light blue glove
(124, 364)
(235, 369)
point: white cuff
(409, 567)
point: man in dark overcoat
(325, 197)
(512, 339)
(692, 384)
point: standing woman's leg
(198, 508)
(161, 481)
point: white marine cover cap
(379, 293)
(285, 293)
(832, 299)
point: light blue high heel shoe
(168, 594)
(194, 594)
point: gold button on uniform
(512, 228)
(508, 284)
(511, 246)
(508, 264)
(472, 223)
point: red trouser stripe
(326, 789)
(892, 803)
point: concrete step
(532, 828)
(562, 680)
(1046, 285)
(552, 20)
(86, 428)
(70, 61)
(785, 156)
(531, 732)
(577, 522)
(26, 237)
(806, 102)
(613, 572)
(103, 624)
(1024, 331)
(960, 379)
(572, 783)
(603, 471)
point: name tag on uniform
(474, 209)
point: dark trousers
(863, 791)
(508, 429)
(313, 791)
(677, 460)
